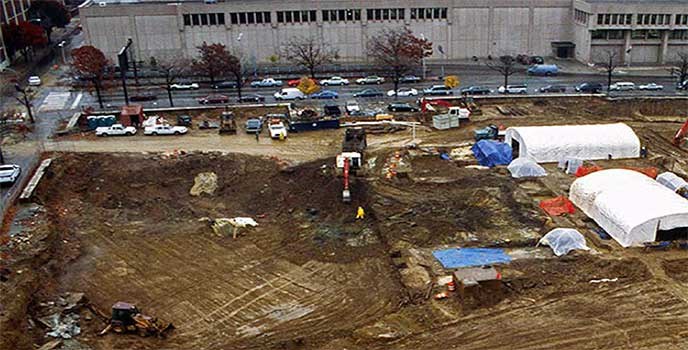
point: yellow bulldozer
(127, 318)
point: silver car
(9, 173)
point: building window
(296, 16)
(234, 18)
(187, 20)
(615, 34)
(598, 34)
(195, 20)
(204, 19)
(639, 34)
(390, 14)
(212, 19)
(653, 34)
(600, 19)
(678, 34)
(341, 15)
(246, 18)
(438, 13)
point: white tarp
(564, 240)
(586, 142)
(672, 181)
(629, 205)
(525, 167)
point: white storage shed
(632, 207)
(585, 142)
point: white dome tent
(525, 167)
(564, 240)
(632, 207)
(546, 144)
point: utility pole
(123, 60)
(133, 62)
(62, 48)
(25, 101)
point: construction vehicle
(351, 159)
(227, 123)
(126, 318)
(429, 105)
(680, 134)
(490, 132)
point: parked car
(410, 78)
(325, 94)
(371, 79)
(296, 82)
(553, 88)
(513, 89)
(254, 125)
(543, 69)
(9, 173)
(267, 82)
(184, 85)
(35, 80)
(115, 130)
(528, 60)
(438, 90)
(476, 90)
(184, 120)
(144, 96)
(682, 85)
(332, 110)
(591, 88)
(211, 99)
(651, 86)
(401, 107)
(165, 130)
(352, 107)
(225, 85)
(369, 93)
(252, 98)
(277, 130)
(289, 94)
(403, 92)
(622, 86)
(334, 81)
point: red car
(296, 82)
(213, 99)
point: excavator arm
(680, 134)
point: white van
(290, 94)
(622, 86)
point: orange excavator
(427, 104)
(680, 134)
(351, 158)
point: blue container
(92, 122)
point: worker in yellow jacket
(360, 213)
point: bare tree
(610, 64)
(309, 52)
(171, 69)
(398, 52)
(506, 65)
(682, 66)
(238, 69)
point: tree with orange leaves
(92, 65)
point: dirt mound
(676, 269)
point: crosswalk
(55, 101)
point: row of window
(385, 14)
(295, 16)
(681, 20)
(342, 15)
(250, 17)
(204, 19)
(429, 13)
(581, 16)
(614, 18)
(643, 34)
(653, 19)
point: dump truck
(127, 318)
(227, 123)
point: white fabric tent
(586, 142)
(630, 206)
(525, 167)
(564, 240)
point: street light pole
(62, 49)
(25, 101)
(423, 58)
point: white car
(513, 89)
(277, 130)
(35, 80)
(403, 92)
(622, 86)
(165, 130)
(184, 86)
(334, 81)
(9, 173)
(651, 86)
(115, 130)
(267, 82)
(352, 107)
(371, 79)
(289, 94)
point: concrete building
(11, 11)
(653, 30)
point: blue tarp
(465, 257)
(491, 153)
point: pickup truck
(165, 130)
(277, 130)
(267, 82)
(115, 130)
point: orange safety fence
(587, 169)
(557, 206)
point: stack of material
(674, 183)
